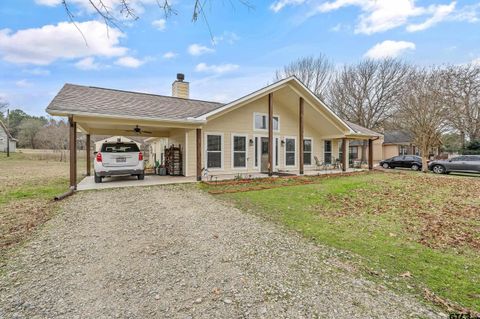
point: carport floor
(88, 183)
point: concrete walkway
(88, 182)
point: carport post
(370, 154)
(87, 148)
(344, 155)
(300, 133)
(199, 154)
(73, 152)
(270, 134)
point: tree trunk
(425, 158)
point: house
(282, 127)
(113, 139)
(6, 136)
(398, 142)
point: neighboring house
(282, 127)
(401, 143)
(4, 136)
(113, 139)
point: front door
(264, 155)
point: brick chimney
(180, 88)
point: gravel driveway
(176, 252)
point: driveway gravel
(176, 252)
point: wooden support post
(199, 154)
(344, 155)
(73, 152)
(300, 134)
(88, 153)
(270, 134)
(370, 154)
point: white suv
(116, 159)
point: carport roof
(77, 99)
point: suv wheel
(415, 167)
(438, 169)
(141, 177)
(385, 165)
(98, 179)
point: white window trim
(222, 152)
(233, 151)
(259, 150)
(312, 160)
(265, 114)
(285, 151)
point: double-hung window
(239, 151)
(307, 151)
(327, 152)
(261, 122)
(289, 151)
(214, 150)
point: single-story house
(398, 142)
(113, 139)
(6, 136)
(282, 127)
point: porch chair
(319, 165)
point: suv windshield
(119, 148)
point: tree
(15, 119)
(53, 135)
(423, 110)
(3, 108)
(314, 72)
(28, 129)
(462, 89)
(367, 93)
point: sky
(232, 51)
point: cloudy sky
(236, 53)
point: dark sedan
(463, 163)
(406, 161)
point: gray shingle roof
(397, 137)
(362, 130)
(87, 99)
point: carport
(99, 111)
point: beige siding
(390, 151)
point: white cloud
(42, 46)
(23, 83)
(440, 13)
(160, 24)
(379, 16)
(129, 62)
(198, 49)
(226, 36)
(169, 55)
(37, 71)
(280, 4)
(218, 69)
(87, 64)
(389, 49)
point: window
(327, 152)
(307, 152)
(256, 151)
(119, 148)
(239, 151)
(261, 122)
(276, 151)
(214, 151)
(402, 150)
(353, 152)
(289, 152)
(340, 149)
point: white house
(4, 136)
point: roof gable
(4, 127)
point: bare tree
(3, 108)
(28, 130)
(423, 110)
(367, 93)
(462, 89)
(314, 72)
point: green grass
(388, 221)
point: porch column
(370, 154)
(270, 134)
(73, 152)
(344, 155)
(87, 148)
(300, 134)
(199, 154)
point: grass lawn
(414, 232)
(28, 184)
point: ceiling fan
(138, 130)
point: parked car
(463, 163)
(407, 161)
(116, 159)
